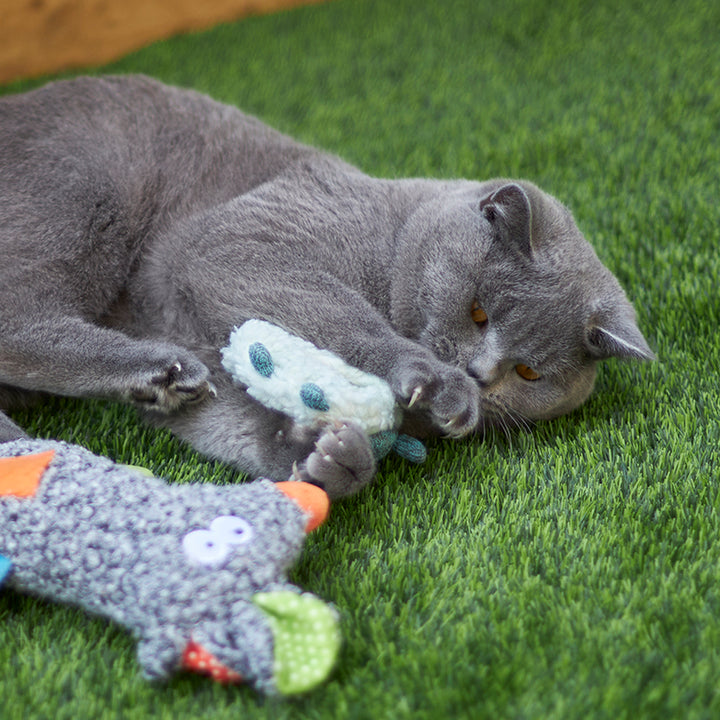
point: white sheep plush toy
(315, 387)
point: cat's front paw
(179, 381)
(451, 397)
(342, 463)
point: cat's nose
(482, 382)
(484, 372)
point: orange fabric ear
(20, 476)
(311, 499)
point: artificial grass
(573, 572)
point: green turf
(569, 573)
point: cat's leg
(9, 430)
(66, 355)
(261, 442)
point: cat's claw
(456, 428)
(182, 382)
(417, 392)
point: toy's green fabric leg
(306, 637)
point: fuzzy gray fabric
(110, 539)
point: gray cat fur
(108, 538)
(140, 223)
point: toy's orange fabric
(20, 476)
(310, 498)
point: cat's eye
(527, 373)
(478, 315)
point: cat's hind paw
(342, 463)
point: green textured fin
(306, 635)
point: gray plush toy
(196, 571)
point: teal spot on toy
(382, 443)
(261, 359)
(5, 566)
(405, 446)
(410, 448)
(314, 397)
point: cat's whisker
(496, 419)
(506, 419)
(506, 431)
(520, 420)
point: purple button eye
(204, 547)
(232, 530)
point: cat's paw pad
(182, 381)
(343, 461)
(451, 397)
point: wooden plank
(44, 36)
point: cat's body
(139, 224)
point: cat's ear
(617, 337)
(508, 210)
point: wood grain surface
(44, 36)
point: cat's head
(497, 279)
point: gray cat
(140, 223)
